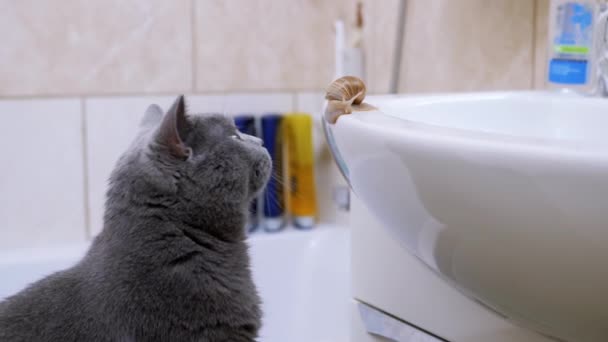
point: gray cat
(171, 263)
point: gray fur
(171, 263)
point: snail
(343, 96)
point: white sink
(504, 195)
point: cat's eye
(237, 136)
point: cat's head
(191, 163)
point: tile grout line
(534, 67)
(193, 37)
(85, 169)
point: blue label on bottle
(574, 24)
(568, 71)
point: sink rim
(453, 137)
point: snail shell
(343, 95)
(347, 88)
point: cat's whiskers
(269, 198)
(278, 179)
(287, 186)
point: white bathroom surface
(303, 278)
(503, 194)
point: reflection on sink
(503, 194)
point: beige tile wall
(277, 45)
(70, 47)
(66, 47)
(468, 45)
(100, 47)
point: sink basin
(504, 195)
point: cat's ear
(152, 116)
(172, 129)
